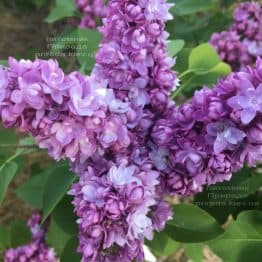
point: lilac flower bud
(134, 12)
(254, 134)
(162, 133)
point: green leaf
(175, 46)
(69, 253)
(32, 190)
(63, 8)
(187, 7)
(162, 245)
(204, 68)
(19, 234)
(56, 237)
(29, 144)
(191, 224)
(182, 60)
(203, 59)
(4, 62)
(242, 240)
(4, 238)
(39, 3)
(64, 216)
(7, 137)
(88, 44)
(194, 252)
(7, 173)
(56, 187)
(229, 197)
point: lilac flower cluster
(36, 251)
(118, 198)
(242, 43)
(231, 49)
(117, 210)
(92, 10)
(202, 142)
(72, 116)
(247, 20)
(101, 123)
(133, 55)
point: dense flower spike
(133, 59)
(133, 55)
(72, 116)
(116, 211)
(243, 42)
(92, 10)
(216, 133)
(36, 251)
(102, 123)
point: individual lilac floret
(37, 250)
(249, 101)
(223, 135)
(216, 133)
(117, 211)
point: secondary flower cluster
(72, 116)
(92, 10)
(36, 251)
(117, 210)
(202, 142)
(242, 43)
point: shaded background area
(23, 32)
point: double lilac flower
(215, 134)
(73, 116)
(102, 123)
(117, 211)
(128, 143)
(249, 102)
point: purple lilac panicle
(102, 122)
(133, 59)
(242, 43)
(36, 251)
(73, 116)
(214, 135)
(117, 211)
